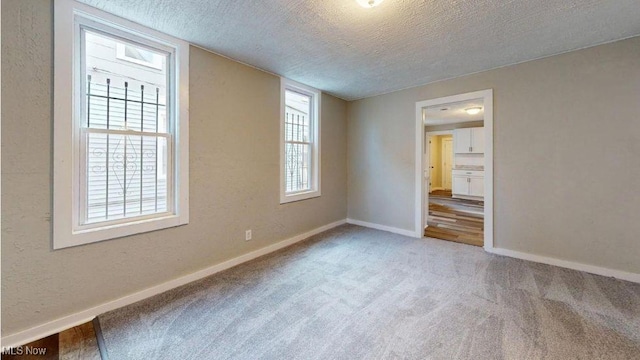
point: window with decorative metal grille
(300, 137)
(125, 136)
(121, 134)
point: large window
(300, 139)
(120, 127)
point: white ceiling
(352, 52)
(453, 113)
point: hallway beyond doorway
(440, 162)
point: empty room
(339, 179)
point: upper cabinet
(462, 140)
(477, 140)
(469, 141)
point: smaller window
(300, 142)
(139, 56)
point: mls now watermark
(24, 350)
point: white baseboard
(382, 227)
(69, 321)
(618, 274)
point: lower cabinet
(460, 185)
(468, 183)
(476, 186)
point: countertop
(469, 167)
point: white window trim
(66, 231)
(286, 84)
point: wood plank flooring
(79, 343)
(456, 220)
(76, 343)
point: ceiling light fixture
(369, 3)
(473, 110)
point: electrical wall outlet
(247, 235)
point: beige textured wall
(567, 154)
(234, 181)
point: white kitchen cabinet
(462, 141)
(476, 186)
(460, 185)
(469, 140)
(468, 184)
(477, 140)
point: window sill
(299, 196)
(65, 239)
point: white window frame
(315, 118)
(69, 15)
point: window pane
(140, 54)
(297, 167)
(297, 119)
(126, 176)
(121, 94)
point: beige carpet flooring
(357, 293)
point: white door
(462, 141)
(447, 162)
(460, 185)
(476, 186)
(477, 140)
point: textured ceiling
(453, 113)
(352, 52)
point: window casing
(299, 142)
(120, 133)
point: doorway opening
(454, 181)
(451, 213)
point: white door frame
(421, 195)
